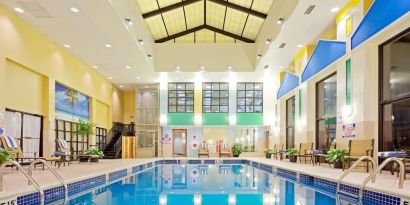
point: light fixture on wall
(163, 119)
(280, 21)
(19, 10)
(347, 110)
(129, 22)
(198, 119)
(299, 124)
(232, 119)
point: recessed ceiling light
(268, 41)
(229, 67)
(334, 9)
(146, 86)
(67, 46)
(95, 66)
(121, 86)
(74, 9)
(178, 67)
(178, 71)
(138, 78)
(141, 42)
(280, 67)
(149, 56)
(19, 10)
(108, 45)
(259, 56)
(202, 67)
(109, 78)
(129, 22)
(300, 46)
(128, 67)
(280, 21)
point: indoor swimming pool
(202, 184)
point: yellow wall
(30, 64)
(117, 106)
(129, 107)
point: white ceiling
(102, 21)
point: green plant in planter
(5, 155)
(85, 129)
(268, 152)
(95, 152)
(237, 149)
(291, 153)
(336, 156)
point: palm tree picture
(71, 98)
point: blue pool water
(203, 185)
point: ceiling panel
(204, 36)
(253, 26)
(243, 3)
(224, 39)
(262, 5)
(235, 21)
(215, 15)
(174, 21)
(194, 14)
(189, 38)
(156, 26)
(164, 3)
(147, 5)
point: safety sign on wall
(349, 130)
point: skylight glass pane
(156, 26)
(243, 3)
(189, 38)
(204, 36)
(215, 14)
(224, 39)
(235, 21)
(194, 14)
(175, 21)
(252, 27)
(147, 5)
(164, 3)
(262, 5)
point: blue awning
(381, 14)
(325, 53)
(289, 83)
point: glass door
(179, 142)
(290, 122)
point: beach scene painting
(71, 104)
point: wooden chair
(203, 150)
(323, 154)
(10, 143)
(305, 151)
(224, 150)
(357, 149)
(276, 150)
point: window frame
(100, 138)
(245, 97)
(185, 91)
(212, 98)
(72, 132)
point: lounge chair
(277, 148)
(224, 150)
(322, 154)
(203, 150)
(63, 151)
(305, 151)
(357, 149)
(10, 143)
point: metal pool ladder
(361, 159)
(53, 171)
(30, 179)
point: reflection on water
(204, 185)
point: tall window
(101, 137)
(250, 97)
(326, 98)
(290, 122)
(68, 131)
(395, 93)
(181, 97)
(215, 97)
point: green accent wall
(348, 81)
(249, 118)
(181, 118)
(215, 119)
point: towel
(63, 144)
(225, 146)
(11, 142)
(204, 145)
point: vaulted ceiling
(204, 21)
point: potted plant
(5, 156)
(237, 149)
(96, 153)
(85, 129)
(268, 153)
(291, 153)
(336, 156)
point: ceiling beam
(183, 33)
(240, 8)
(226, 33)
(169, 8)
(211, 28)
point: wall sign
(166, 139)
(349, 130)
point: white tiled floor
(15, 183)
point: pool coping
(91, 181)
